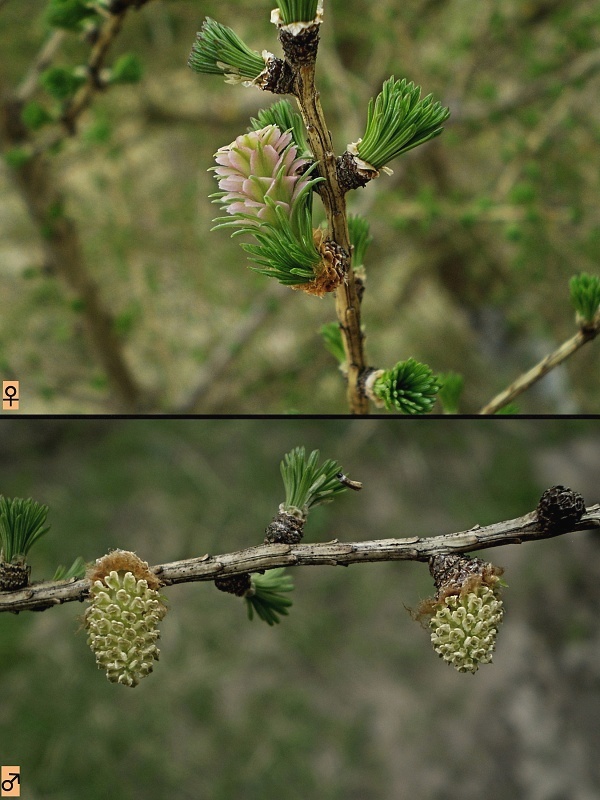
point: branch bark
(334, 553)
(347, 302)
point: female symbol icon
(10, 395)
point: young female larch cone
(121, 621)
(258, 165)
(466, 611)
(266, 190)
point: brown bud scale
(13, 576)
(300, 50)
(123, 561)
(559, 508)
(330, 271)
(234, 584)
(453, 574)
(350, 175)
(362, 380)
(278, 77)
(284, 528)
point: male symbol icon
(11, 781)
(7, 785)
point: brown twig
(346, 298)
(63, 256)
(43, 59)
(548, 363)
(82, 98)
(334, 553)
(38, 187)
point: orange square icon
(10, 395)
(10, 778)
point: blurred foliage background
(475, 235)
(345, 698)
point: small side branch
(542, 368)
(253, 559)
(41, 192)
(106, 35)
(64, 256)
(43, 59)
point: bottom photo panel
(344, 609)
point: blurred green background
(476, 234)
(346, 698)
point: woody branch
(333, 553)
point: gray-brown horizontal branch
(334, 553)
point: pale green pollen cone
(122, 627)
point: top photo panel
(239, 207)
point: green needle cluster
(76, 570)
(306, 483)
(60, 83)
(285, 251)
(285, 118)
(358, 228)
(585, 295)
(22, 523)
(267, 596)
(35, 116)
(397, 121)
(218, 50)
(68, 14)
(410, 387)
(451, 388)
(332, 338)
(127, 69)
(297, 10)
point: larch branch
(346, 296)
(334, 553)
(542, 368)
